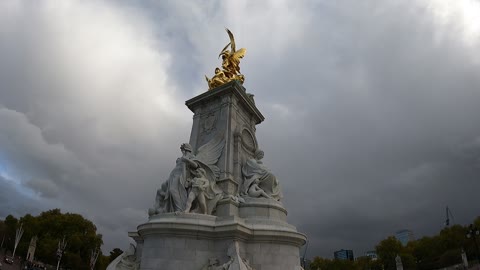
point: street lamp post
(473, 232)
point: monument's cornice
(214, 228)
(233, 87)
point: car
(8, 260)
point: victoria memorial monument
(220, 207)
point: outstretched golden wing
(232, 40)
(240, 53)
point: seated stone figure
(255, 191)
(258, 180)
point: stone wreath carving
(191, 186)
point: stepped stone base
(184, 241)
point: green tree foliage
(362, 263)
(387, 250)
(435, 252)
(3, 231)
(326, 264)
(50, 227)
(10, 227)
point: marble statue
(398, 262)
(258, 179)
(246, 262)
(255, 191)
(198, 191)
(173, 194)
(218, 200)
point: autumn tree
(387, 250)
(50, 227)
(327, 264)
(10, 227)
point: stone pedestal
(187, 241)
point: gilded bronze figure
(230, 65)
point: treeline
(50, 227)
(435, 252)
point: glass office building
(404, 236)
(344, 254)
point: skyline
(370, 108)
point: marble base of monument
(187, 241)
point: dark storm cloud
(70, 103)
(379, 128)
(380, 100)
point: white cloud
(84, 100)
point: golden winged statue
(230, 65)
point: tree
(102, 262)
(3, 233)
(387, 250)
(10, 226)
(114, 254)
(476, 222)
(435, 252)
(50, 227)
(327, 264)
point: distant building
(344, 254)
(404, 236)
(371, 254)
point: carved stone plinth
(259, 208)
(186, 241)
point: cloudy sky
(372, 108)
